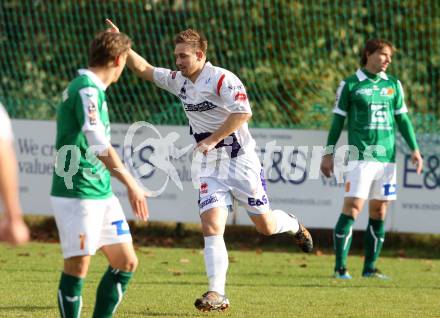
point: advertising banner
(161, 158)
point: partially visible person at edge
(88, 215)
(217, 107)
(373, 103)
(12, 228)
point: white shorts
(85, 225)
(244, 182)
(371, 180)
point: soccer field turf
(260, 284)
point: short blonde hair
(193, 37)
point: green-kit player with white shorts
(88, 216)
(373, 103)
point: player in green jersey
(373, 103)
(88, 216)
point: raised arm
(135, 62)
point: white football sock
(285, 222)
(216, 262)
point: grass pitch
(260, 284)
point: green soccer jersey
(78, 173)
(370, 103)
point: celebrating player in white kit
(217, 107)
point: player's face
(188, 60)
(379, 60)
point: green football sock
(342, 239)
(69, 296)
(110, 291)
(374, 238)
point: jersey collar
(205, 71)
(95, 79)
(362, 76)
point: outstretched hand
(112, 26)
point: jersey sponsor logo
(120, 230)
(173, 74)
(200, 107)
(240, 97)
(379, 117)
(387, 91)
(204, 188)
(92, 114)
(364, 91)
(211, 199)
(258, 202)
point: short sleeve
(400, 106)
(92, 125)
(233, 93)
(167, 79)
(5, 125)
(341, 104)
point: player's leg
(342, 235)
(249, 189)
(383, 191)
(216, 259)
(77, 221)
(278, 221)
(71, 284)
(122, 264)
(116, 244)
(374, 236)
(357, 189)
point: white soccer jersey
(209, 101)
(5, 125)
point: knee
(76, 266)
(378, 210)
(352, 210)
(378, 214)
(128, 264)
(210, 228)
(131, 264)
